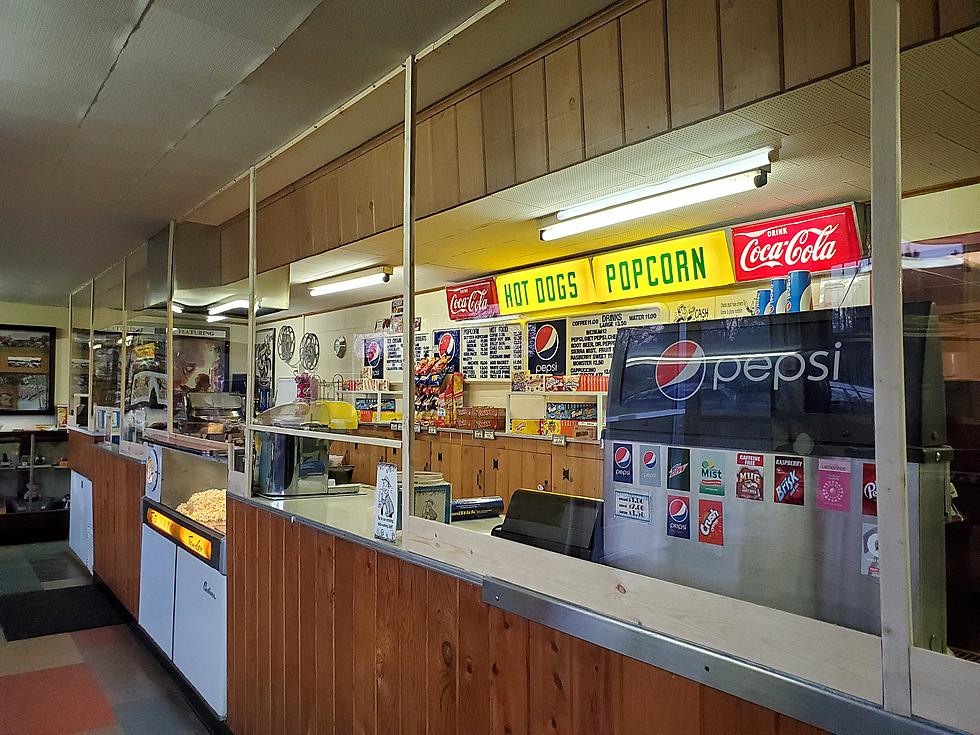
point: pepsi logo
(447, 344)
(623, 457)
(546, 342)
(373, 353)
(680, 370)
(871, 490)
(650, 460)
(678, 511)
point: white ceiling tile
(818, 104)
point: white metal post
(408, 293)
(170, 327)
(889, 357)
(250, 352)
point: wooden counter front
(330, 636)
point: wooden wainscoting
(82, 451)
(328, 636)
(117, 490)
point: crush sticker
(788, 483)
(834, 484)
(749, 470)
(711, 522)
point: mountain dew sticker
(712, 480)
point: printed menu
(593, 336)
(491, 352)
(393, 350)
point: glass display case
(79, 367)
(107, 351)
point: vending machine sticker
(869, 554)
(623, 463)
(678, 516)
(834, 484)
(649, 469)
(788, 484)
(679, 469)
(446, 346)
(633, 507)
(712, 480)
(749, 470)
(869, 490)
(711, 522)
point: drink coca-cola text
(814, 241)
(474, 300)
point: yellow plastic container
(338, 415)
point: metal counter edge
(796, 698)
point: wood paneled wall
(328, 636)
(629, 73)
(82, 453)
(477, 467)
(117, 490)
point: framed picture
(26, 370)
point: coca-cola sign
(473, 300)
(811, 241)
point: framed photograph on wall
(26, 370)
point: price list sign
(491, 352)
(593, 337)
(394, 357)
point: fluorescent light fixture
(212, 318)
(350, 281)
(228, 306)
(733, 176)
(177, 308)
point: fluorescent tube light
(228, 306)
(732, 176)
(652, 205)
(350, 281)
(212, 318)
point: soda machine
(739, 459)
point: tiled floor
(99, 681)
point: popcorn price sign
(811, 241)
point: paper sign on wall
(386, 502)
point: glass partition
(146, 394)
(79, 360)
(107, 351)
(210, 335)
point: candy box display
(571, 411)
(525, 426)
(481, 417)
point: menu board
(592, 337)
(393, 351)
(492, 352)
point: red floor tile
(57, 701)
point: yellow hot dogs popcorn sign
(672, 266)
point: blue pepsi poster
(374, 354)
(445, 345)
(547, 347)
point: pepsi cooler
(739, 459)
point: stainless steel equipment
(695, 408)
(215, 416)
(287, 465)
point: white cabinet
(158, 567)
(80, 531)
(201, 629)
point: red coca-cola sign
(810, 241)
(473, 300)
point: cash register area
(99, 681)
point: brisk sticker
(712, 478)
(869, 554)
(788, 484)
(749, 469)
(633, 507)
(869, 490)
(711, 522)
(834, 484)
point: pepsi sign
(678, 516)
(649, 466)
(374, 355)
(771, 383)
(623, 463)
(445, 344)
(547, 347)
